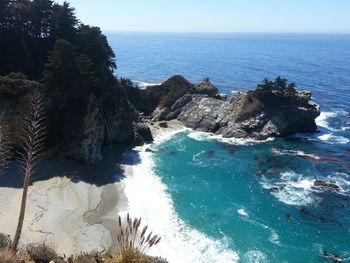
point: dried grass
(134, 241)
(41, 253)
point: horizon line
(226, 32)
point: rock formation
(258, 114)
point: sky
(255, 16)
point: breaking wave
(147, 197)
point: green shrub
(17, 75)
(5, 241)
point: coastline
(68, 213)
(149, 199)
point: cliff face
(254, 114)
(80, 122)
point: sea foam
(333, 139)
(142, 84)
(148, 198)
(205, 136)
(324, 120)
(292, 189)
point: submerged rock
(322, 183)
(209, 154)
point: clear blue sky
(303, 16)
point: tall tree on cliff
(33, 136)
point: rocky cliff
(79, 122)
(258, 114)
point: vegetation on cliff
(74, 64)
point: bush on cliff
(273, 93)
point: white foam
(148, 198)
(143, 85)
(333, 139)
(322, 120)
(274, 238)
(340, 179)
(254, 256)
(242, 212)
(165, 134)
(292, 189)
(205, 136)
(295, 153)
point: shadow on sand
(107, 171)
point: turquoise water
(228, 192)
(255, 199)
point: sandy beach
(69, 213)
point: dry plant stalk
(131, 238)
(7, 256)
(4, 145)
(33, 136)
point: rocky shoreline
(258, 114)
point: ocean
(234, 200)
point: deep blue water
(256, 198)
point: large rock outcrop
(79, 122)
(157, 100)
(258, 114)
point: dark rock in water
(322, 219)
(260, 173)
(288, 216)
(229, 147)
(304, 211)
(163, 124)
(335, 258)
(149, 150)
(275, 114)
(322, 183)
(209, 154)
(275, 188)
